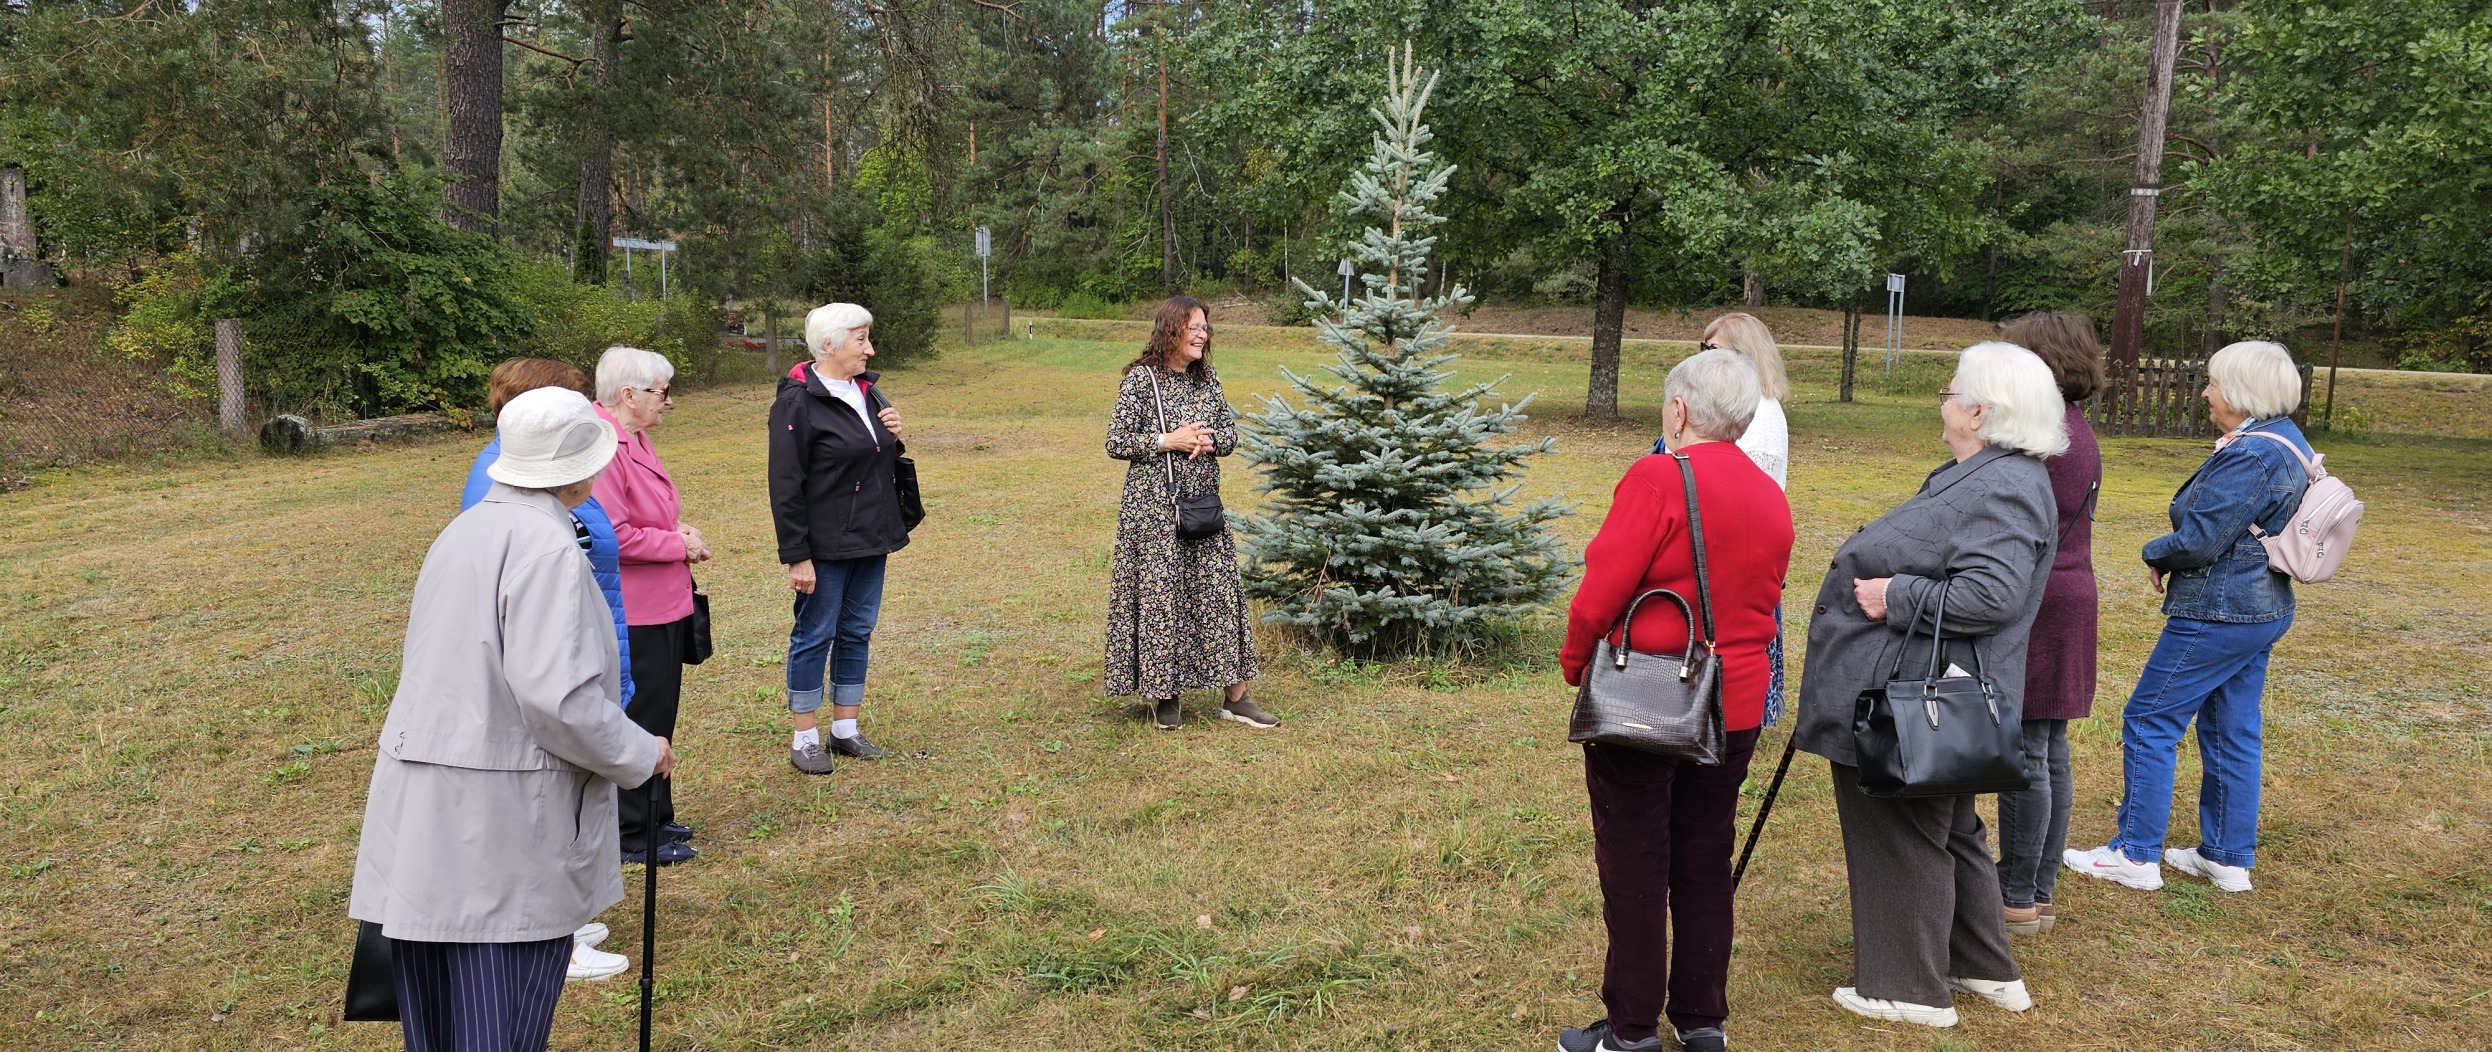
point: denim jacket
(2219, 568)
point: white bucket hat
(551, 437)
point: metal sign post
(1346, 270)
(986, 247)
(1894, 321)
(627, 244)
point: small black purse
(697, 648)
(371, 978)
(903, 473)
(1198, 516)
(1938, 735)
(1665, 705)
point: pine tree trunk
(1167, 217)
(2128, 319)
(472, 145)
(597, 131)
(1609, 326)
(1751, 289)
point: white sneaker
(2009, 995)
(590, 964)
(591, 933)
(2106, 862)
(2225, 878)
(1893, 1011)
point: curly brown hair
(519, 376)
(1167, 327)
(2066, 343)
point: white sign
(653, 246)
(1894, 283)
(986, 242)
(1346, 270)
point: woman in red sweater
(1662, 829)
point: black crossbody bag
(1664, 704)
(1198, 516)
(903, 471)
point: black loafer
(669, 853)
(676, 832)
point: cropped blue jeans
(2212, 672)
(834, 626)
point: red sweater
(1643, 545)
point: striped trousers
(479, 996)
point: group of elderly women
(544, 661)
(2000, 533)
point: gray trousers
(1925, 895)
(2033, 825)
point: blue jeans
(834, 623)
(2213, 672)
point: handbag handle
(1938, 634)
(1159, 412)
(1696, 537)
(1626, 629)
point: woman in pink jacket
(658, 552)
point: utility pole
(2128, 320)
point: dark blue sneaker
(676, 832)
(669, 853)
(1704, 1039)
(1596, 1037)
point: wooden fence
(2160, 397)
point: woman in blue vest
(511, 379)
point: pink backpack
(2316, 538)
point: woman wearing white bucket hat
(489, 831)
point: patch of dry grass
(195, 661)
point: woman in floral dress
(1176, 610)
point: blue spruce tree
(1389, 525)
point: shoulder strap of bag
(874, 400)
(2085, 511)
(1159, 412)
(2309, 467)
(1696, 537)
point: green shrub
(575, 323)
(1085, 305)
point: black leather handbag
(1200, 515)
(371, 978)
(697, 647)
(1938, 735)
(1666, 704)
(903, 473)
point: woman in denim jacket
(2225, 612)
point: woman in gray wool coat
(489, 832)
(1925, 895)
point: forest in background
(392, 196)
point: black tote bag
(903, 473)
(372, 978)
(1938, 735)
(1667, 705)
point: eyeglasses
(666, 393)
(1709, 345)
(1945, 393)
(1204, 329)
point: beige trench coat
(491, 816)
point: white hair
(827, 326)
(622, 367)
(1719, 389)
(2021, 408)
(2258, 378)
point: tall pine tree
(1389, 525)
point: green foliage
(588, 252)
(575, 323)
(898, 278)
(1388, 527)
(1085, 305)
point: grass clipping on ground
(196, 660)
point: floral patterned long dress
(1177, 617)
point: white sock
(843, 728)
(808, 736)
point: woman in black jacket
(834, 452)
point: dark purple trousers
(1662, 833)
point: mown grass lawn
(195, 660)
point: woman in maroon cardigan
(1661, 829)
(2059, 660)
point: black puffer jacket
(832, 495)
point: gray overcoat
(1988, 524)
(491, 815)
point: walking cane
(649, 910)
(1764, 809)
